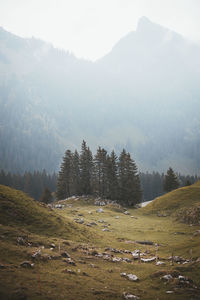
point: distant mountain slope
(143, 95)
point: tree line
(33, 184)
(102, 175)
(39, 184)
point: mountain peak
(144, 23)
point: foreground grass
(96, 278)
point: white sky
(90, 28)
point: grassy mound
(18, 209)
(172, 202)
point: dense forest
(31, 183)
(104, 175)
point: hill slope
(22, 212)
(180, 202)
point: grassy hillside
(170, 203)
(20, 211)
(99, 256)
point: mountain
(143, 95)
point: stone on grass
(21, 241)
(123, 274)
(128, 260)
(93, 223)
(160, 263)
(53, 245)
(117, 217)
(130, 296)
(105, 229)
(127, 213)
(2, 266)
(132, 277)
(27, 264)
(81, 221)
(65, 254)
(167, 277)
(36, 254)
(145, 242)
(169, 292)
(69, 271)
(146, 260)
(69, 261)
(100, 210)
(116, 259)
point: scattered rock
(36, 254)
(81, 221)
(160, 263)
(145, 242)
(177, 259)
(85, 274)
(128, 260)
(132, 277)
(116, 250)
(69, 271)
(21, 241)
(69, 261)
(169, 292)
(127, 213)
(2, 266)
(27, 264)
(93, 223)
(116, 259)
(117, 217)
(100, 210)
(53, 245)
(105, 229)
(130, 296)
(94, 252)
(127, 251)
(123, 274)
(65, 254)
(167, 277)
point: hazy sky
(90, 28)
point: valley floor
(70, 268)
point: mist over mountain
(144, 95)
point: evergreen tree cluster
(33, 184)
(154, 184)
(104, 175)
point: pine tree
(64, 183)
(100, 173)
(112, 176)
(46, 196)
(86, 170)
(170, 181)
(75, 173)
(129, 182)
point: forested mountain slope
(143, 95)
